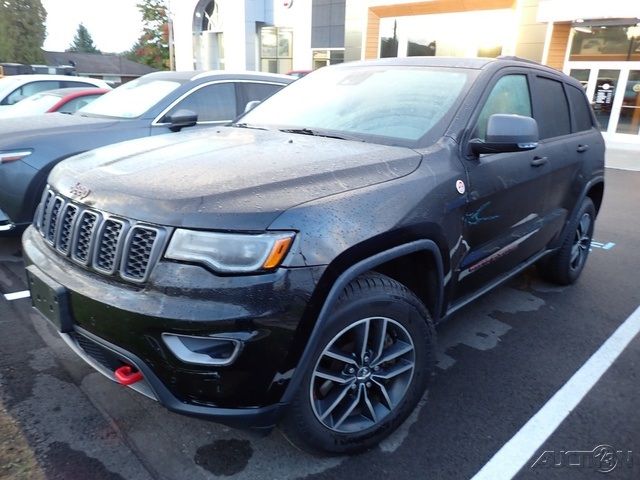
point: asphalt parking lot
(501, 361)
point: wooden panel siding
(440, 6)
(373, 34)
(558, 45)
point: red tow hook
(126, 376)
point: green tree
(152, 48)
(82, 42)
(22, 31)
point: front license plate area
(50, 298)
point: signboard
(604, 94)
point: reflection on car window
(212, 103)
(131, 99)
(35, 104)
(77, 103)
(402, 103)
(509, 95)
(29, 89)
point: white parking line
(514, 454)
(17, 295)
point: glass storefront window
(490, 52)
(276, 49)
(388, 38)
(581, 74)
(268, 42)
(616, 43)
(460, 34)
(421, 47)
(629, 120)
(322, 58)
(603, 96)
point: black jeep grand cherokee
(291, 267)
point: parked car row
(154, 104)
(63, 100)
(290, 267)
(18, 87)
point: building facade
(596, 42)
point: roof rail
(519, 59)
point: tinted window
(73, 84)
(552, 111)
(212, 103)
(72, 105)
(509, 95)
(249, 92)
(580, 107)
(30, 89)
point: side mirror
(181, 119)
(251, 105)
(507, 133)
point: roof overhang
(572, 10)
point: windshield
(38, 103)
(401, 103)
(130, 100)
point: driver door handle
(539, 161)
(582, 148)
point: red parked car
(63, 100)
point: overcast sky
(114, 25)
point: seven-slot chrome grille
(99, 241)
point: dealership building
(596, 42)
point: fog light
(213, 350)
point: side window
(580, 108)
(552, 110)
(509, 95)
(74, 84)
(29, 89)
(248, 92)
(212, 103)
(73, 105)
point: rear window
(551, 109)
(580, 108)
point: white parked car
(17, 87)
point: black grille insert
(66, 227)
(99, 241)
(84, 236)
(97, 352)
(108, 243)
(139, 251)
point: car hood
(225, 178)
(34, 126)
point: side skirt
(499, 281)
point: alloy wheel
(582, 242)
(362, 375)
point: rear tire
(565, 266)
(368, 371)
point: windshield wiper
(246, 125)
(317, 133)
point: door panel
(506, 191)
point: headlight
(6, 157)
(230, 252)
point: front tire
(369, 370)
(565, 266)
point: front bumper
(20, 190)
(115, 323)
(5, 222)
